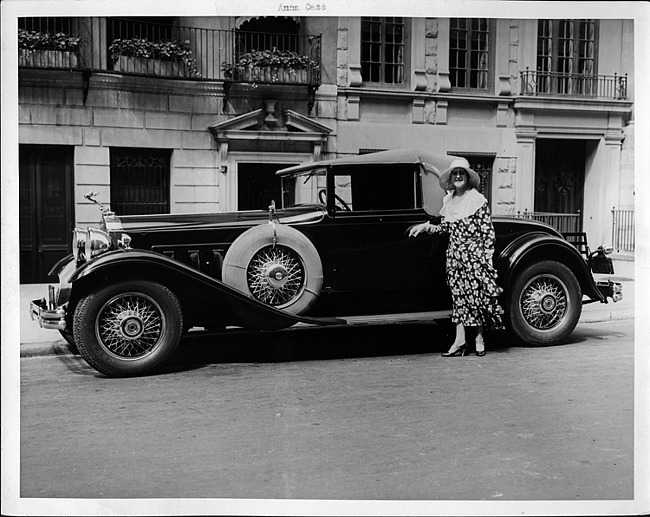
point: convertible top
(432, 162)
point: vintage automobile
(336, 249)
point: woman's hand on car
(417, 229)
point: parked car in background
(335, 248)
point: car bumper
(48, 315)
(609, 289)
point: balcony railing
(564, 223)
(623, 230)
(169, 50)
(573, 85)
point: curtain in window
(566, 57)
(382, 50)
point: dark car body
(338, 247)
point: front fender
(189, 284)
(537, 246)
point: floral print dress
(471, 276)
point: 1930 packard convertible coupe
(336, 248)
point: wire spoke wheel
(130, 325)
(276, 265)
(544, 302)
(276, 275)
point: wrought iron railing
(49, 42)
(623, 230)
(564, 223)
(167, 49)
(573, 85)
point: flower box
(150, 66)
(271, 74)
(142, 56)
(271, 66)
(47, 58)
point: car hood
(303, 214)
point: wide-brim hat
(459, 163)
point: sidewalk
(35, 341)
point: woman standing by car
(470, 273)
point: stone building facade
(546, 138)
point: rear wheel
(128, 329)
(544, 303)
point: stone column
(525, 177)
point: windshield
(304, 188)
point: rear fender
(194, 289)
(534, 247)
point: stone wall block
(60, 116)
(342, 76)
(198, 141)
(89, 175)
(341, 59)
(41, 95)
(142, 101)
(342, 39)
(51, 135)
(431, 28)
(167, 121)
(102, 98)
(91, 156)
(195, 159)
(430, 47)
(196, 104)
(196, 176)
(92, 137)
(74, 97)
(326, 109)
(430, 112)
(156, 139)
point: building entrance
(46, 209)
(258, 185)
(560, 176)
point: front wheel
(128, 329)
(544, 303)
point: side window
(383, 47)
(377, 188)
(139, 181)
(470, 49)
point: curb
(46, 349)
(62, 348)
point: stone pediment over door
(267, 130)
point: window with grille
(566, 56)
(383, 50)
(140, 181)
(482, 163)
(469, 53)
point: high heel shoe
(455, 350)
(480, 348)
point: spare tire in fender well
(275, 264)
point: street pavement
(35, 341)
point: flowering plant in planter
(178, 51)
(273, 59)
(34, 40)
